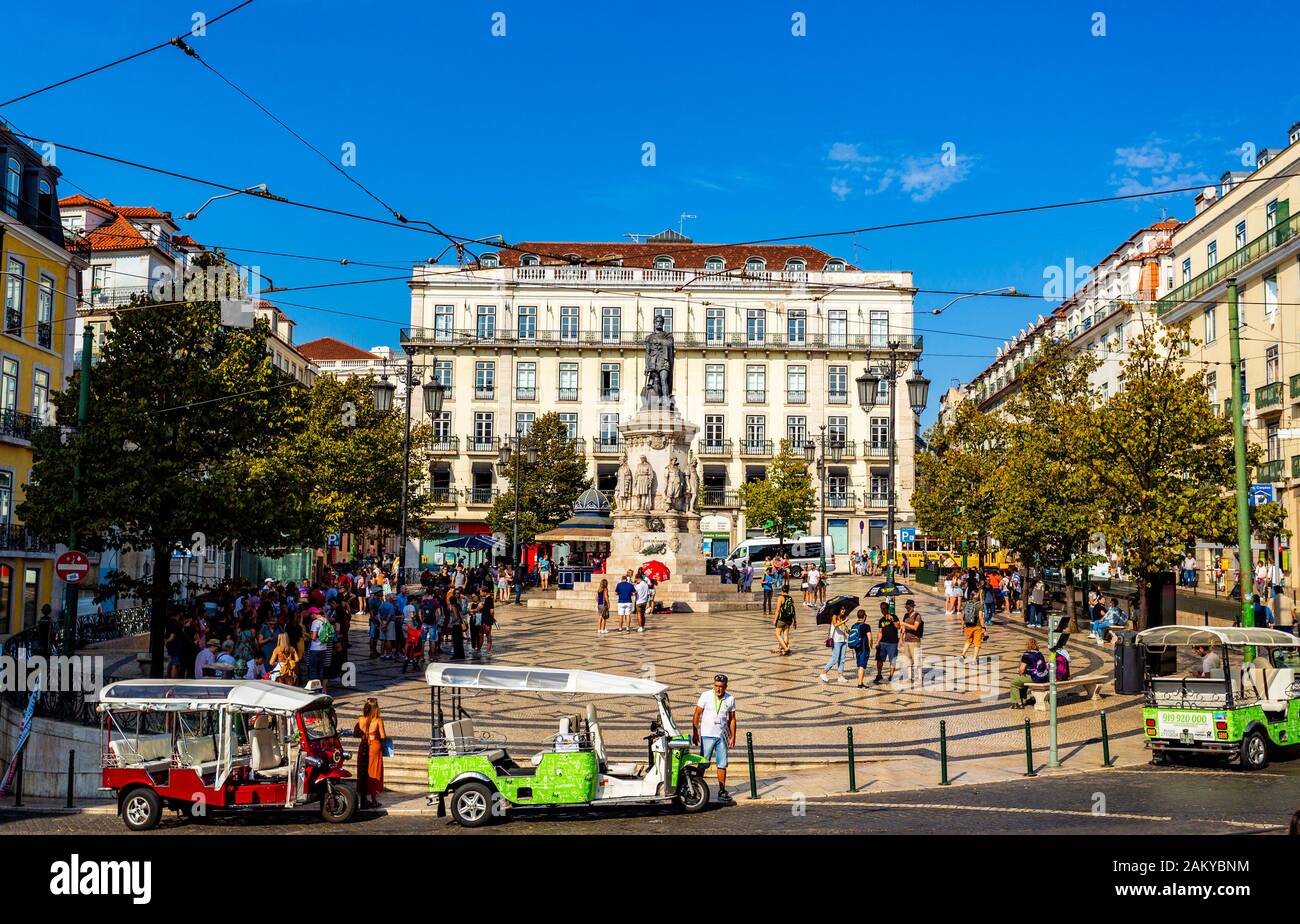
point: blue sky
(761, 133)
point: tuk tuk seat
(462, 740)
(150, 752)
(198, 753)
(267, 752)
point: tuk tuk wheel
(471, 804)
(141, 809)
(1254, 750)
(338, 803)
(694, 794)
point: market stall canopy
(1216, 635)
(539, 679)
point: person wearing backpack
(1033, 669)
(836, 641)
(970, 620)
(785, 619)
(322, 635)
(913, 632)
(860, 642)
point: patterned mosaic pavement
(791, 714)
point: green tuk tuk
(1239, 701)
(474, 768)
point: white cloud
(1151, 167)
(925, 177)
(921, 176)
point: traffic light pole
(1239, 457)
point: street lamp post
(503, 468)
(809, 453)
(383, 392)
(918, 391)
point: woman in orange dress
(370, 754)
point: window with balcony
(608, 436)
(570, 421)
(527, 322)
(878, 435)
(796, 431)
(663, 263)
(485, 380)
(609, 381)
(756, 325)
(444, 322)
(486, 328)
(41, 395)
(1272, 365)
(796, 384)
(715, 325)
(15, 289)
(879, 327)
(1211, 325)
(755, 265)
(524, 422)
(526, 381)
(484, 429)
(755, 384)
(1239, 236)
(1270, 215)
(489, 261)
(715, 265)
(837, 431)
(611, 324)
(568, 382)
(1211, 253)
(837, 384)
(755, 431)
(796, 326)
(442, 374)
(1270, 296)
(715, 430)
(837, 327)
(569, 323)
(9, 389)
(715, 383)
(441, 424)
(530, 259)
(835, 266)
(13, 186)
(1187, 269)
(45, 312)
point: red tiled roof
(184, 240)
(329, 348)
(642, 254)
(118, 233)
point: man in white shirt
(1211, 663)
(714, 728)
(642, 601)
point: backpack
(1037, 669)
(326, 634)
(970, 613)
(855, 635)
(920, 629)
(1062, 668)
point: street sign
(1261, 494)
(907, 534)
(332, 541)
(72, 567)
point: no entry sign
(72, 567)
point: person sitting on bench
(1033, 669)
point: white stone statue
(644, 485)
(623, 488)
(675, 486)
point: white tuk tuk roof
(539, 679)
(1216, 635)
(182, 695)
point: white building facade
(769, 340)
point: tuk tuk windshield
(319, 723)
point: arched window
(835, 266)
(663, 263)
(489, 259)
(796, 265)
(530, 259)
(715, 265)
(755, 265)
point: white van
(802, 552)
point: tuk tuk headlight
(314, 761)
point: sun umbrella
(655, 570)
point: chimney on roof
(1263, 157)
(1294, 134)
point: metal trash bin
(1128, 663)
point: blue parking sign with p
(1261, 494)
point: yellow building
(40, 268)
(1244, 229)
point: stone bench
(1091, 685)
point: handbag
(388, 747)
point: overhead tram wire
(410, 224)
(131, 57)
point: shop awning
(566, 533)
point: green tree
(548, 487)
(1161, 459)
(1268, 522)
(181, 448)
(1045, 509)
(954, 496)
(785, 499)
